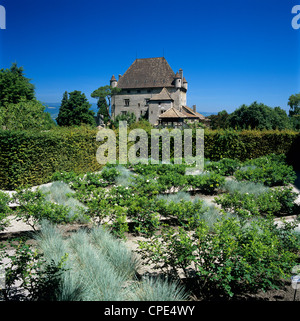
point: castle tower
(177, 81)
(113, 82)
(184, 83)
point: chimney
(181, 73)
(194, 108)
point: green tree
(19, 108)
(259, 116)
(294, 112)
(129, 117)
(75, 110)
(104, 94)
(65, 111)
(14, 86)
(294, 103)
(220, 120)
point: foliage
(244, 187)
(271, 202)
(259, 116)
(88, 266)
(75, 110)
(104, 94)
(29, 268)
(4, 210)
(207, 183)
(14, 86)
(219, 121)
(25, 115)
(225, 166)
(129, 117)
(61, 193)
(19, 108)
(33, 207)
(294, 103)
(270, 170)
(239, 256)
(31, 158)
(158, 289)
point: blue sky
(232, 52)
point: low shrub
(207, 183)
(33, 207)
(240, 256)
(270, 170)
(278, 201)
(4, 210)
(224, 167)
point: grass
(100, 267)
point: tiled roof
(172, 113)
(163, 95)
(148, 73)
(190, 113)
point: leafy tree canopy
(104, 94)
(130, 118)
(14, 86)
(259, 116)
(19, 108)
(75, 110)
(294, 103)
(220, 120)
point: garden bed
(222, 210)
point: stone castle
(150, 89)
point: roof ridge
(148, 73)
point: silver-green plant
(118, 254)
(100, 267)
(125, 177)
(242, 187)
(60, 193)
(158, 289)
(175, 197)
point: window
(147, 101)
(128, 91)
(139, 105)
(123, 112)
(138, 91)
(126, 102)
(148, 90)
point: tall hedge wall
(30, 158)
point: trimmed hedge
(248, 144)
(30, 158)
